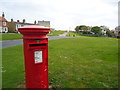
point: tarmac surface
(10, 43)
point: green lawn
(73, 63)
(73, 33)
(10, 36)
(56, 33)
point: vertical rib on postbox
(35, 55)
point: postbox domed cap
(35, 27)
(33, 31)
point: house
(103, 30)
(3, 24)
(117, 31)
(13, 25)
(23, 23)
(44, 23)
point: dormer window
(4, 23)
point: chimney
(35, 22)
(11, 20)
(18, 21)
(23, 20)
(3, 15)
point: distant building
(104, 30)
(3, 24)
(44, 23)
(13, 25)
(21, 24)
(117, 31)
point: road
(9, 43)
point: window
(4, 29)
(0, 29)
(18, 26)
(4, 23)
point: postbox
(35, 44)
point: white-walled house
(104, 30)
(18, 25)
(3, 25)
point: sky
(63, 14)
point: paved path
(9, 43)
(64, 34)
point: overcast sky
(63, 14)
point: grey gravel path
(9, 43)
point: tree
(77, 29)
(110, 33)
(83, 27)
(96, 30)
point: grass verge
(10, 36)
(12, 62)
(73, 63)
(73, 33)
(56, 33)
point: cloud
(63, 14)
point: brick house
(11, 26)
(3, 24)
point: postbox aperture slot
(34, 45)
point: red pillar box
(35, 55)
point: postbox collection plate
(38, 57)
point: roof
(3, 19)
(22, 23)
